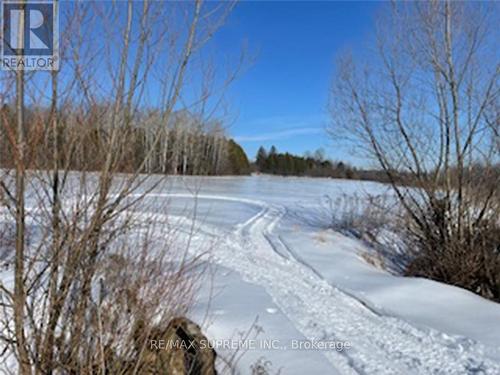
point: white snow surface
(276, 261)
(282, 277)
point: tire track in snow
(381, 344)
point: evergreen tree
(238, 160)
(272, 161)
(273, 151)
(261, 158)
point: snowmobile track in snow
(380, 343)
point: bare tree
(94, 276)
(425, 109)
(19, 295)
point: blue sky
(281, 98)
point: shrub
(470, 260)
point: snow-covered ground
(292, 295)
(284, 280)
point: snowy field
(283, 282)
(289, 294)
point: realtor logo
(30, 35)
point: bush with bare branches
(87, 265)
(426, 106)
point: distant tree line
(286, 164)
(313, 165)
(184, 145)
